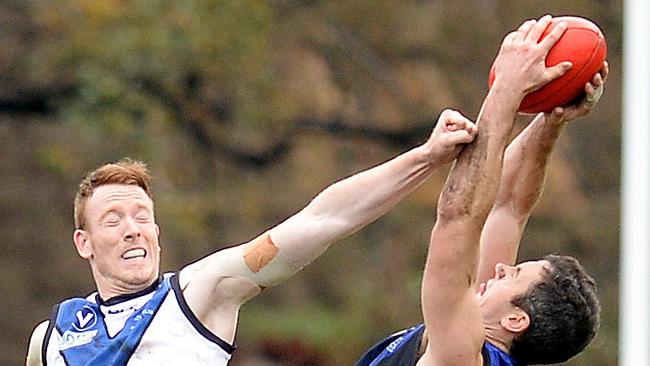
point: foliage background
(245, 110)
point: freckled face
(120, 240)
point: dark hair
(564, 314)
(125, 171)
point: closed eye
(143, 215)
(111, 219)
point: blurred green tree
(244, 110)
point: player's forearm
(522, 181)
(471, 187)
(520, 188)
(464, 203)
(469, 193)
(338, 211)
(363, 197)
(350, 204)
(524, 169)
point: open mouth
(134, 253)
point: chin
(142, 277)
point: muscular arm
(450, 307)
(217, 285)
(346, 206)
(522, 180)
(521, 185)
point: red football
(584, 45)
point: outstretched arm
(451, 312)
(217, 285)
(348, 205)
(522, 180)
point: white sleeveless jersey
(174, 337)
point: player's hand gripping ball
(584, 45)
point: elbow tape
(260, 261)
(260, 252)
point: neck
(499, 339)
(108, 289)
(124, 297)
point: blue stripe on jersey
(401, 348)
(85, 340)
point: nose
(501, 270)
(132, 230)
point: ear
(81, 242)
(516, 321)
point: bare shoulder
(36, 344)
(214, 294)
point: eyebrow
(112, 209)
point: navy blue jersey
(402, 349)
(399, 349)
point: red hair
(125, 171)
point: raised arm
(522, 180)
(350, 204)
(451, 311)
(217, 285)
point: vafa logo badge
(86, 319)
